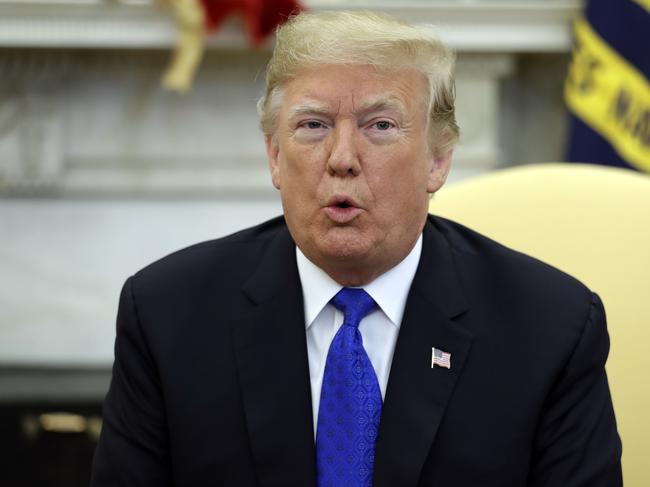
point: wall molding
(479, 25)
(48, 383)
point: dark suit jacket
(211, 383)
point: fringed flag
(607, 90)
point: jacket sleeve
(133, 448)
(577, 444)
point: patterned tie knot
(355, 304)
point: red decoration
(260, 16)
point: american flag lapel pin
(440, 358)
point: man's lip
(342, 215)
(337, 200)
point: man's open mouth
(342, 209)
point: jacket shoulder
(512, 273)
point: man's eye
(313, 124)
(383, 125)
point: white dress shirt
(379, 329)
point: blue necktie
(350, 401)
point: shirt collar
(389, 290)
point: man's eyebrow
(383, 103)
(308, 109)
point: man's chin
(341, 248)
(336, 246)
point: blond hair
(343, 37)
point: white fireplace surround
(101, 171)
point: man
(357, 341)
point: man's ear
(272, 154)
(441, 164)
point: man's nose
(344, 152)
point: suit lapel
(271, 354)
(417, 395)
